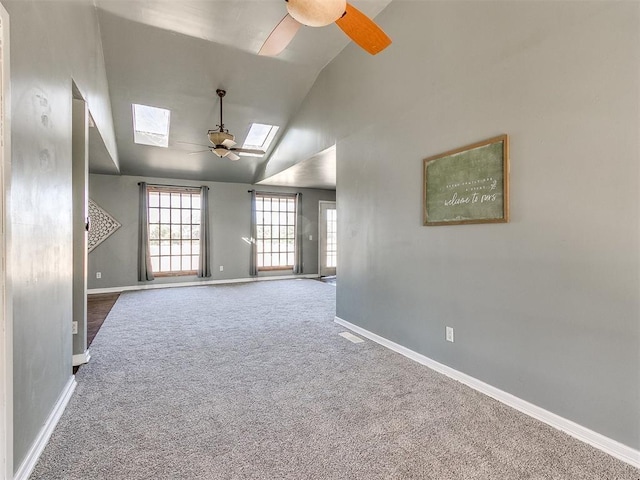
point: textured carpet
(98, 307)
(252, 381)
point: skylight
(260, 136)
(151, 125)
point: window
(332, 238)
(174, 230)
(276, 231)
(260, 137)
(151, 125)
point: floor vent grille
(351, 337)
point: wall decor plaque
(468, 185)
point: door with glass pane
(328, 240)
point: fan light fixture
(314, 13)
(221, 151)
(318, 13)
(224, 143)
(217, 137)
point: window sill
(190, 273)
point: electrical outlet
(311, 237)
(74, 328)
(449, 334)
(98, 274)
(222, 268)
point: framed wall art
(103, 225)
(468, 185)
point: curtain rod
(274, 193)
(172, 186)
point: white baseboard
(597, 440)
(41, 440)
(152, 286)
(81, 358)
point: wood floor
(98, 307)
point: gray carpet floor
(252, 381)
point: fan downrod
(221, 93)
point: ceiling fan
(223, 142)
(318, 13)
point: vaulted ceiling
(176, 54)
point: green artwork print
(468, 185)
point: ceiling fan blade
(280, 37)
(248, 150)
(196, 144)
(363, 31)
(198, 152)
(232, 156)
(228, 143)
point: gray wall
(80, 176)
(52, 43)
(547, 306)
(230, 206)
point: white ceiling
(175, 54)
